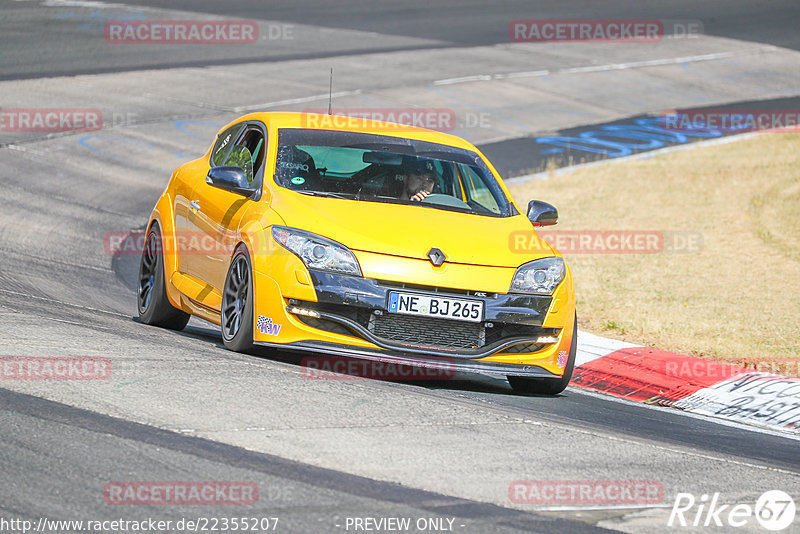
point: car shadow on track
(323, 367)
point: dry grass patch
(737, 299)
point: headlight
(539, 276)
(317, 252)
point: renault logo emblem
(436, 256)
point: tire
(548, 386)
(151, 295)
(236, 315)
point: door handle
(195, 205)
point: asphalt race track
(179, 407)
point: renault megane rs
(361, 239)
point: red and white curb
(691, 384)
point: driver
(419, 181)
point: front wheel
(548, 386)
(154, 306)
(236, 316)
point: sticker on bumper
(266, 326)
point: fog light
(547, 339)
(302, 311)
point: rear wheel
(548, 386)
(154, 306)
(236, 316)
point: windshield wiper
(324, 194)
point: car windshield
(376, 168)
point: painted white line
(720, 420)
(650, 63)
(23, 149)
(61, 302)
(592, 347)
(677, 449)
(295, 101)
(529, 74)
(602, 68)
(476, 78)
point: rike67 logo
(774, 510)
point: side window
(476, 190)
(224, 144)
(240, 157)
(248, 152)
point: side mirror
(230, 178)
(541, 213)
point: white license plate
(435, 306)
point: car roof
(286, 119)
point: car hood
(411, 231)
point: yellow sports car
(363, 239)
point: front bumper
(348, 313)
(358, 306)
(450, 365)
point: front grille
(426, 331)
(325, 324)
(354, 313)
(524, 348)
(506, 330)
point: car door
(185, 203)
(216, 212)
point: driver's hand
(419, 196)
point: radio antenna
(330, 94)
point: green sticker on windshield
(298, 180)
